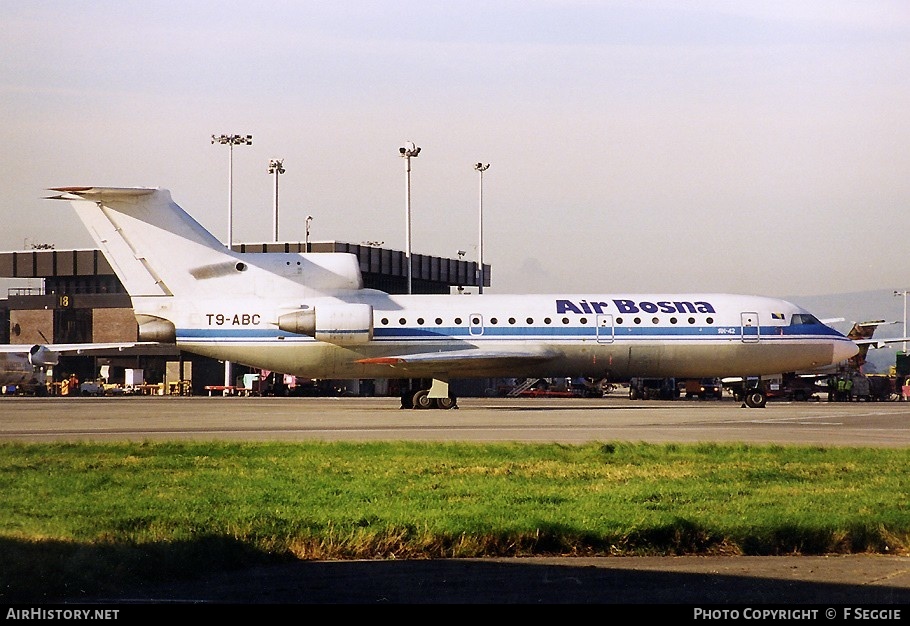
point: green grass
(80, 518)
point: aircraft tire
(422, 400)
(755, 399)
(445, 403)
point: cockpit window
(803, 318)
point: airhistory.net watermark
(61, 614)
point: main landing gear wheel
(422, 400)
(445, 403)
(755, 399)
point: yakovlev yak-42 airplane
(309, 315)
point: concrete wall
(113, 325)
(31, 327)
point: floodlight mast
(230, 141)
(276, 167)
(309, 218)
(481, 168)
(408, 151)
(904, 293)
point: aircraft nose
(844, 350)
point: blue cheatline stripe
(618, 331)
(251, 333)
(622, 333)
(202, 333)
(524, 331)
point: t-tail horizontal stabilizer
(157, 249)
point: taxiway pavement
(835, 582)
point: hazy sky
(756, 147)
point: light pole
(904, 294)
(309, 218)
(231, 141)
(276, 167)
(480, 167)
(408, 151)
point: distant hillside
(864, 306)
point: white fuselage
(617, 335)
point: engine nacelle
(342, 324)
(39, 356)
(158, 329)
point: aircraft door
(476, 324)
(750, 327)
(605, 329)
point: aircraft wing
(459, 359)
(70, 349)
(48, 353)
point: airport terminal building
(73, 296)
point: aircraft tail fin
(154, 246)
(861, 335)
(157, 249)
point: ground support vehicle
(653, 389)
(702, 388)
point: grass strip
(82, 517)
